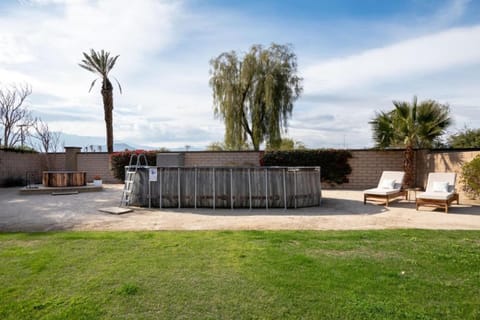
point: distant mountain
(95, 144)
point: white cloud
(43, 41)
(438, 52)
(49, 43)
(13, 50)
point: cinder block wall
(368, 165)
(96, 163)
(16, 165)
(56, 161)
(223, 159)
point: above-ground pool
(226, 187)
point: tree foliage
(101, 63)
(216, 146)
(222, 146)
(411, 125)
(254, 94)
(471, 177)
(467, 138)
(287, 144)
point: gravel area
(340, 210)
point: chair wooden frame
(440, 203)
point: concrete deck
(341, 210)
(40, 189)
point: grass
(391, 274)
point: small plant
(97, 177)
(471, 177)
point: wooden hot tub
(64, 178)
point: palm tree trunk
(107, 95)
(409, 167)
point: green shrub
(471, 177)
(334, 163)
(121, 159)
(24, 149)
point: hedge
(334, 163)
(121, 159)
(23, 149)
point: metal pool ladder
(130, 174)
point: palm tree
(101, 64)
(415, 125)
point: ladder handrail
(139, 159)
(129, 183)
(131, 159)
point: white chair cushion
(381, 192)
(440, 186)
(388, 184)
(435, 195)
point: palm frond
(111, 63)
(98, 62)
(101, 63)
(93, 83)
(383, 129)
(87, 67)
(418, 124)
(90, 61)
(118, 83)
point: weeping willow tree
(254, 95)
(411, 125)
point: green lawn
(392, 274)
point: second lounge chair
(440, 191)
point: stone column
(71, 158)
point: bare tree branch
(48, 140)
(13, 113)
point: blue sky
(355, 57)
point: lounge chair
(440, 191)
(389, 187)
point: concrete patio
(340, 210)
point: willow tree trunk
(107, 94)
(409, 167)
